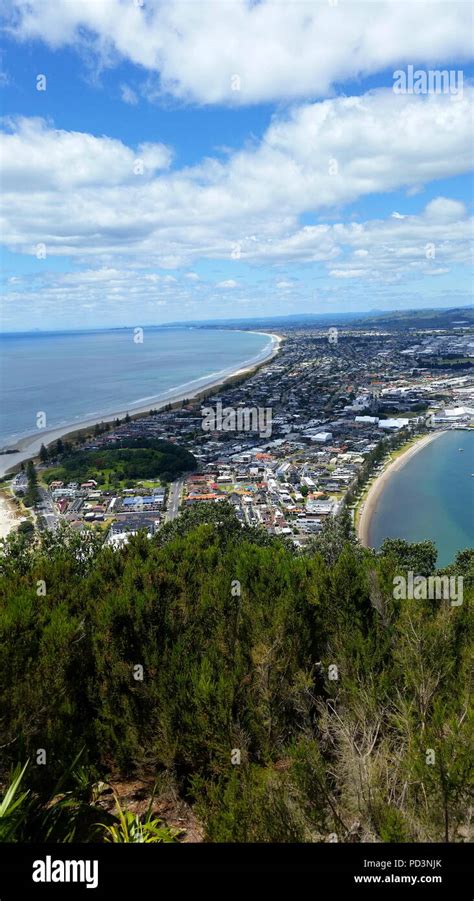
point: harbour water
(431, 497)
(74, 376)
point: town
(337, 403)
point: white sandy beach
(30, 445)
(370, 502)
(8, 517)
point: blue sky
(191, 160)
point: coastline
(369, 504)
(29, 446)
(9, 515)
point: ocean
(74, 376)
(431, 497)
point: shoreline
(369, 504)
(10, 516)
(29, 446)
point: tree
(463, 565)
(337, 531)
(32, 494)
(43, 454)
(174, 653)
(26, 528)
(418, 557)
(31, 472)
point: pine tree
(43, 454)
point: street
(174, 496)
(45, 511)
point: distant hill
(295, 320)
(406, 319)
(394, 319)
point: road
(174, 495)
(45, 511)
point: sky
(175, 160)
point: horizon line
(221, 322)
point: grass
(104, 483)
(393, 455)
(152, 483)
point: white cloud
(39, 158)
(442, 209)
(155, 156)
(398, 249)
(128, 95)
(79, 194)
(390, 255)
(347, 273)
(389, 252)
(195, 49)
(229, 283)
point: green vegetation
(131, 460)
(130, 828)
(349, 709)
(391, 446)
(67, 813)
(451, 362)
(31, 497)
(43, 454)
(419, 557)
(421, 319)
(26, 528)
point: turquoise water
(431, 497)
(73, 376)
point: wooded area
(143, 459)
(287, 697)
